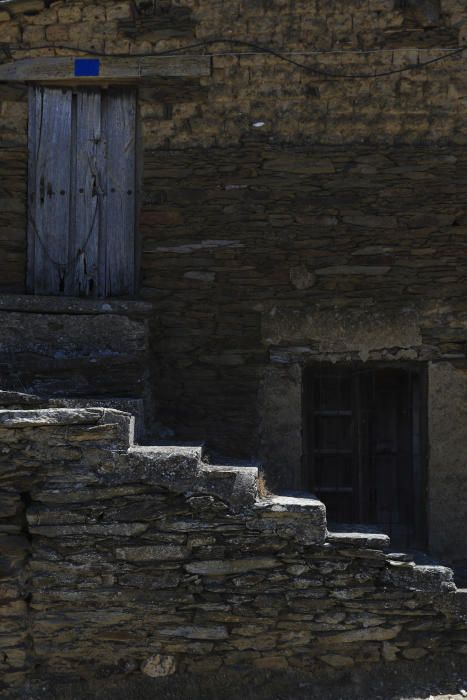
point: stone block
(227, 567)
(32, 6)
(195, 632)
(152, 553)
(337, 661)
(67, 15)
(57, 32)
(159, 666)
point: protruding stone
(224, 567)
(159, 666)
(414, 653)
(152, 553)
(301, 277)
(337, 661)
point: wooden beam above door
(70, 70)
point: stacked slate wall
(125, 560)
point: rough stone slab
(370, 634)
(421, 578)
(87, 495)
(291, 502)
(16, 398)
(152, 552)
(236, 485)
(196, 632)
(226, 567)
(175, 466)
(28, 303)
(371, 540)
(107, 529)
(54, 416)
(134, 407)
(353, 270)
(298, 515)
(122, 424)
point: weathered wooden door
(82, 190)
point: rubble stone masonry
(119, 560)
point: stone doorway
(365, 446)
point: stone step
(400, 568)
(175, 466)
(117, 428)
(238, 485)
(14, 400)
(365, 538)
(133, 406)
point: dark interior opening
(365, 450)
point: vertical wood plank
(87, 194)
(35, 107)
(50, 214)
(117, 267)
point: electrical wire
(257, 48)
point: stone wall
(69, 347)
(346, 253)
(120, 559)
(337, 36)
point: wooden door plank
(35, 103)
(86, 195)
(62, 69)
(49, 215)
(117, 265)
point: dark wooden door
(82, 192)
(365, 447)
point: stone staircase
(124, 556)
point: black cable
(318, 71)
(256, 47)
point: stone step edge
(399, 568)
(118, 439)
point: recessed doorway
(365, 447)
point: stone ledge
(372, 540)
(175, 467)
(291, 502)
(11, 399)
(26, 303)
(59, 416)
(118, 426)
(421, 578)
(295, 514)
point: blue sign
(87, 67)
